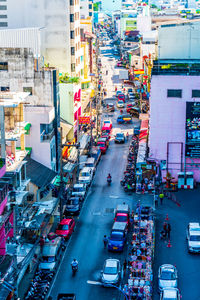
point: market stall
(141, 256)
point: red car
(102, 146)
(122, 217)
(128, 107)
(65, 228)
(121, 97)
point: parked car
(122, 217)
(90, 163)
(50, 254)
(107, 122)
(130, 90)
(105, 140)
(73, 206)
(79, 190)
(121, 97)
(170, 294)
(193, 237)
(120, 104)
(120, 138)
(167, 277)
(66, 296)
(85, 176)
(65, 228)
(117, 237)
(102, 146)
(111, 273)
(124, 119)
(110, 107)
(132, 100)
(134, 112)
(131, 94)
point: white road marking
(114, 197)
(94, 282)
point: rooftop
(176, 67)
(38, 173)
(12, 99)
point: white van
(50, 253)
(85, 176)
(90, 163)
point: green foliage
(65, 78)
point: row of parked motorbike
(39, 285)
(129, 180)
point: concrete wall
(167, 119)
(186, 37)
(41, 151)
(143, 23)
(53, 15)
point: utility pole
(60, 195)
(15, 219)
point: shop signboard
(131, 25)
(84, 120)
(192, 129)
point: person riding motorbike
(74, 265)
(109, 178)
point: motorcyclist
(74, 264)
(109, 177)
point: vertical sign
(192, 148)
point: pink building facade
(167, 131)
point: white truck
(123, 74)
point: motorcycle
(74, 270)
(109, 180)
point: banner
(84, 120)
(192, 129)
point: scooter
(109, 180)
(74, 270)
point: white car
(85, 176)
(90, 163)
(120, 104)
(111, 273)
(107, 122)
(79, 190)
(170, 294)
(193, 237)
(167, 277)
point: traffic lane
(187, 264)
(86, 244)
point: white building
(86, 9)
(19, 72)
(61, 22)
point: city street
(96, 218)
(188, 265)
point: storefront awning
(65, 128)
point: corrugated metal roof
(22, 38)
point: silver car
(167, 277)
(193, 237)
(170, 294)
(111, 273)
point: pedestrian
(156, 200)
(124, 266)
(106, 72)
(105, 241)
(146, 180)
(161, 196)
(168, 230)
(165, 226)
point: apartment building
(20, 72)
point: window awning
(66, 128)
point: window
(71, 17)
(90, 14)
(195, 93)
(3, 24)
(174, 93)
(3, 16)
(72, 34)
(71, 2)
(90, 6)
(3, 66)
(3, 7)
(5, 89)
(73, 66)
(72, 50)
(27, 90)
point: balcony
(47, 136)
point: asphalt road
(188, 265)
(96, 218)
